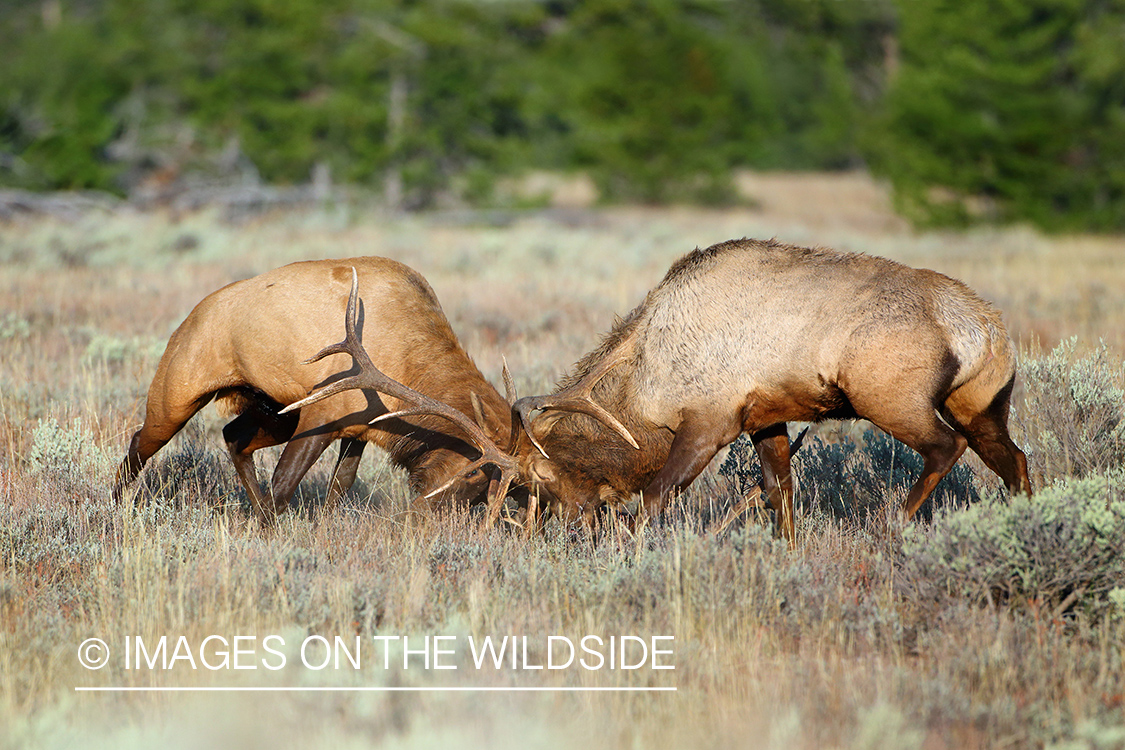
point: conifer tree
(1008, 110)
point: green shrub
(1073, 414)
(1093, 734)
(1059, 550)
(191, 467)
(116, 351)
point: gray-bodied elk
(745, 336)
(243, 346)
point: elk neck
(430, 447)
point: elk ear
(546, 421)
(543, 471)
(531, 431)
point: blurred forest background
(996, 110)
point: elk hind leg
(939, 446)
(939, 451)
(772, 446)
(986, 430)
(915, 423)
(901, 397)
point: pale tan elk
(243, 347)
(746, 336)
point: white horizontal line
(175, 689)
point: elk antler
(371, 377)
(509, 383)
(578, 397)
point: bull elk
(242, 347)
(746, 336)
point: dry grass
(826, 646)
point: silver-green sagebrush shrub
(1073, 417)
(67, 455)
(853, 478)
(1059, 550)
(1094, 734)
(12, 326)
(114, 350)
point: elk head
(580, 473)
(499, 468)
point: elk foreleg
(772, 446)
(697, 441)
(347, 465)
(253, 429)
(298, 457)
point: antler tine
(371, 377)
(350, 345)
(579, 398)
(797, 443)
(509, 383)
(517, 417)
(497, 488)
(522, 409)
(474, 466)
(497, 491)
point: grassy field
(994, 625)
